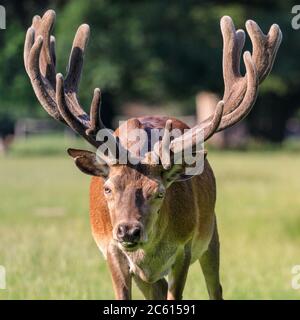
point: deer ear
(177, 173)
(87, 162)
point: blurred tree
(158, 51)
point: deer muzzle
(129, 235)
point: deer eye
(107, 190)
(160, 195)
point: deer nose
(129, 233)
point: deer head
(135, 193)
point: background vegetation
(155, 51)
(160, 52)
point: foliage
(155, 51)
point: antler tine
(73, 121)
(36, 22)
(191, 137)
(74, 70)
(265, 47)
(76, 57)
(249, 99)
(42, 81)
(29, 41)
(72, 79)
(43, 91)
(233, 43)
(212, 127)
(44, 29)
(96, 122)
(63, 107)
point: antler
(240, 91)
(58, 96)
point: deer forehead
(123, 177)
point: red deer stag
(150, 220)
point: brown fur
(186, 220)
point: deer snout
(129, 234)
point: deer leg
(120, 273)
(178, 274)
(152, 291)
(210, 262)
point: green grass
(45, 145)
(48, 251)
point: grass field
(48, 252)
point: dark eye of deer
(160, 195)
(107, 190)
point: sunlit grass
(48, 251)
